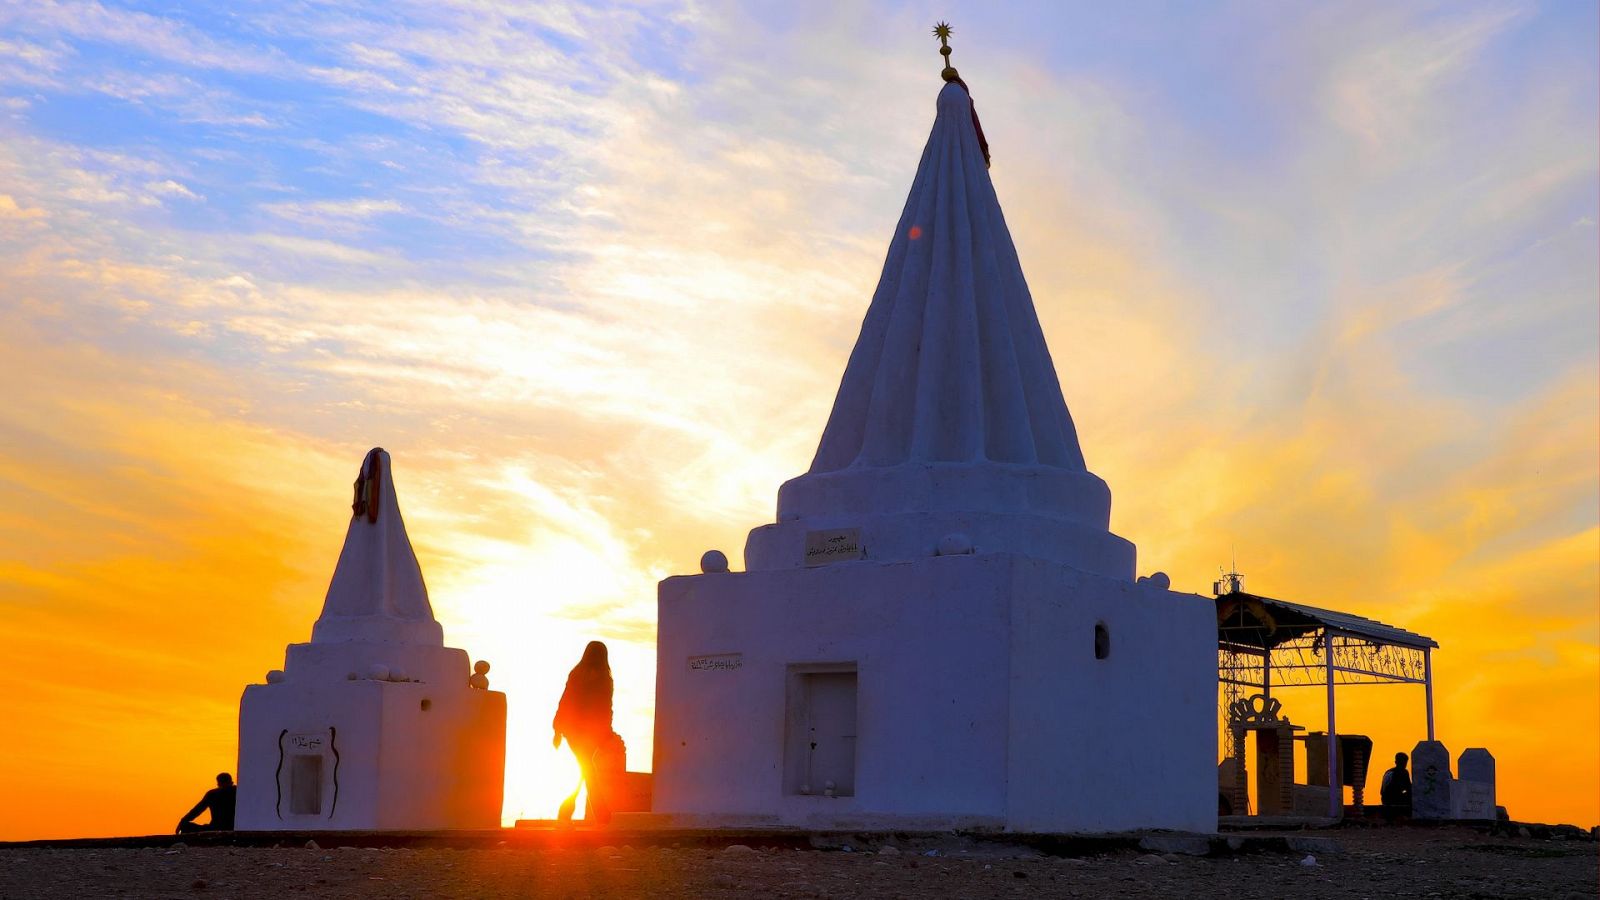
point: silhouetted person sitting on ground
(584, 719)
(1396, 790)
(220, 801)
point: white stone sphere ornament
(1158, 580)
(275, 676)
(955, 544)
(713, 561)
(378, 672)
(398, 674)
(480, 676)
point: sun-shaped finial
(942, 32)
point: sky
(1320, 281)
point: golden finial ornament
(942, 32)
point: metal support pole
(1427, 685)
(1266, 673)
(1335, 794)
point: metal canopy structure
(1263, 642)
(1268, 622)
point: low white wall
(979, 701)
(929, 642)
(270, 718)
(1112, 744)
(394, 764)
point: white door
(831, 731)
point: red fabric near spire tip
(977, 126)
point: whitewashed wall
(979, 702)
(1112, 744)
(399, 765)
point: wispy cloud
(168, 187)
(163, 38)
(328, 250)
(334, 214)
(11, 209)
(1390, 87)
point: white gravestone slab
(823, 547)
(1430, 781)
(1476, 764)
(1475, 771)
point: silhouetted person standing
(220, 801)
(1396, 789)
(584, 719)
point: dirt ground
(1389, 862)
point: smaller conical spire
(377, 592)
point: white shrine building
(940, 630)
(374, 724)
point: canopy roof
(1251, 620)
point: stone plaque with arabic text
(716, 662)
(840, 545)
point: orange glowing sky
(1321, 284)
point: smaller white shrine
(374, 724)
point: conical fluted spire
(377, 592)
(949, 422)
(951, 364)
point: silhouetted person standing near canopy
(584, 719)
(220, 801)
(1396, 789)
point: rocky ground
(1378, 862)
